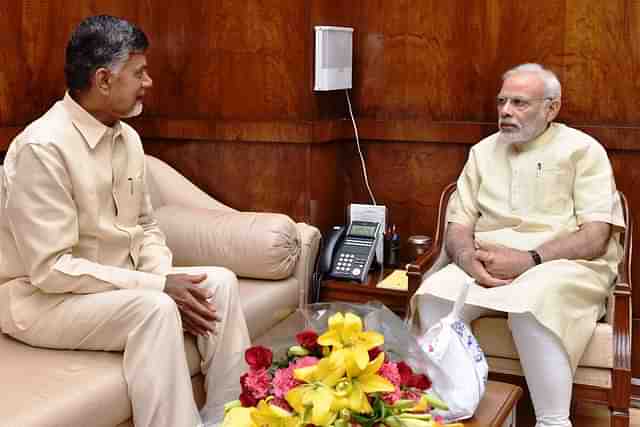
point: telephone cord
(364, 166)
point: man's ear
(554, 109)
(102, 80)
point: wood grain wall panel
(625, 167)
(602, 57)
(33, 40)
(249, 177)
(324, 180)
(211, 60)
(405, 177)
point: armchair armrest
(621, 376)
(309, 245)
(420, 266)
(252, 245)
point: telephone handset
(349, 251)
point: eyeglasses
(517, 102)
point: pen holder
(391, 250)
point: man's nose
(147, 82)
(505, 110)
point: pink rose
(258, 357)
(256, 383)
(307, 339)
(283, 381)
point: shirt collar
(91, 129)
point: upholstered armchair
(604, 372)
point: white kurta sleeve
(43, 219)
(155, 257)
(595, 194)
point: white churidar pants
(543, 358)
(146, 325)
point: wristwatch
(537, 259)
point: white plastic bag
(457, 368)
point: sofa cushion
(61, 388)
(267, 303)
(252, 245)
(494, 336)
(597, 377)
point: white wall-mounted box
(334, 56)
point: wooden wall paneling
(182, 59)
(449, 73)
(601, 59)
(324, 179)
(407, 177)
(261, 177)
(34, 39)
(626, 167)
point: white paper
(372, 213)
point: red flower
(420, 381)
(307, 339)
(247, 399)
(258, 357)
(405, 373)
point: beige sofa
(273, 257)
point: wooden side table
(352, 291)
(497, 407)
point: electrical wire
(364, 166)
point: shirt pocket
(130, 193)
(553, 190)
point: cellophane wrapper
(399, 343)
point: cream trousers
(544, 361)
(146, 325)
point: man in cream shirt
(535, 222)
(83, 264)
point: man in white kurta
(83, 264)
(535, 222)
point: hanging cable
(364, 166)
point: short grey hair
(100, 41)
(552, 87)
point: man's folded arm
(43, 219)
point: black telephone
(349, 251)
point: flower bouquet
(342, 378)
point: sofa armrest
(309, 245)
(252, 245)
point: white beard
(522, 135)
(135, 111)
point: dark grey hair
(100, 41)
(552, 87)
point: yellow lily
(239, 417)
(268, 415)
(346, 336)
(352, 392)
(315, 402)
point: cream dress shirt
(521, 196)
(75, 214)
